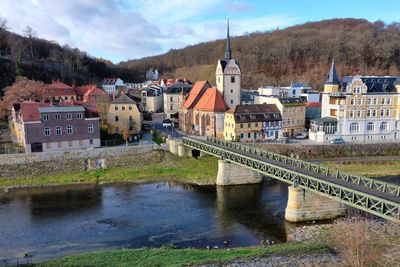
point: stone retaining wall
(333, 151)
(50, 163)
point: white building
(111, 85)
(174, 97)
(152, 98)
(358, 109)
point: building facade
(152, 98)
(253, 123)
(124, 115)
(293, 112)
(41, 127)
(112, 85)
(174, 96)
(358, 109)
(58, 91)
(228, 76)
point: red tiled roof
(58, 85)
(313, 104)
(87, 90)
(212, 100)
(30, 110)
(58, 88)
(195, 93)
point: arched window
(354, 127)
(384, 126)
(370, 126)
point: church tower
(228, 76)
(332, 81)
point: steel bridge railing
(391, 189)
(381, 207)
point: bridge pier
(233, 174)
(304, 205)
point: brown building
(203, 111)
(41, 127)
(58, 91)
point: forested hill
(300, 53)
(43, 60)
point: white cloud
(126, 29)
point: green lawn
(186, 170)
(178, 257)
(371, 169)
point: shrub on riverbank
(179, 257)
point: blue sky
(126, 29)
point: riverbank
(370, 169)
(152, 167)
(168, 256)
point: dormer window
(68, 116)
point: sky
(119, 30)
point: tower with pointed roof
(332, 82)
(228, 76)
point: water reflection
(65, 220)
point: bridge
(366, 194)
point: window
(359, 101)
(352, 101)
(249, 125)
(116, 108)
(45, 117)
(370, 126)
(255, 136)
(58, 130)
(374, 112)
(382, 112)
(384, 126)
(69, 129)
(116, 118)
(47, 131)
(241, 135)
(232, 79)
(354, 127)
(396, 124)
(123, 108)
(91, 142)
(368, 113)
(90, 128)
(256, 124)
(389, 101)
(79, 116)
(231, 91)
(58, 117)
(231, 101)
(351, 114)
(130, 119)
(241, 125)
(388, 113)
(68, 116)
(375, 101)
(359, 113)
(369, 101)
(383, 101)
(130, 107)
(248, 135)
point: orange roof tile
(195, 93)
(30, 110)
(58, 85)
(212, 100)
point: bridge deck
(377, 197)
(321, 176)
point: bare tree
(30, 33)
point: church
(204, 109)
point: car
(301, 136)
(146, 127)
(167, 123)
(338, 141)
(283, 140)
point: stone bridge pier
(233, 174)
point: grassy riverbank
(170, 168)
(179, 257)
(370, 169)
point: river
(57, 221)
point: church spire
(332, 76)
(228, 51)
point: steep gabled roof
(196, 93)
(211, 100)
(58, 85)
(333, 77)
(125, 99)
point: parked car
(146, 127)
(338, 141)
(167, 123)
(283, 140)
(301, 136)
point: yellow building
(293, 112)
(358, 109)
(252, 123)
(124, 115)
